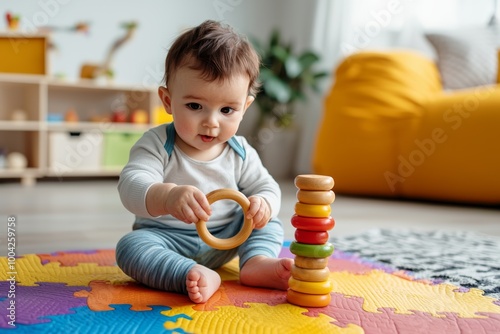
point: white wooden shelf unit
(39, 96)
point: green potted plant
(285, 77)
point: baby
(211, 78)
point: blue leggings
(162, 257)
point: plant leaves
(320, 75)
(277, 89)
(280, 52)
(293, 66)
(307, 59)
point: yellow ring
(242, 235)
(310, 275)
(311, 210)
(312, 288)
(316, 197)
(307, 300)
(311, 262)
(314, 182)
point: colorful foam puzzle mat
(85, 292)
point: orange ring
(242, 235)
(325, 197)
(307, 300)
(313, 224)
(312, 210)
(314, 182)
(311, 262)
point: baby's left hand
(259, 211)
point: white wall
(159, 22)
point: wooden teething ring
(242, 235)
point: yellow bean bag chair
(389, 129)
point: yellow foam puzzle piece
(29, 270)
(382, 290)
(257, 318)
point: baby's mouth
(207, 139)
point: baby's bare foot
(266, 272)
(201, 283)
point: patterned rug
(465, 259)
(384, 282)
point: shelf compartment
(20, 97)
(95, 101)
(24, 142)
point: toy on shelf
(93, 71)
(16, 161)
(79, 27)
(71, 116)
(12, 21)
(310, 283)
(18, 115)
(119, 116)
(139, 116)
(82, 27)
(241, 236)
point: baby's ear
(164, 95)
(249, 101)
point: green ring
(314, 251)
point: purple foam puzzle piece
(33, 302)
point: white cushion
(466, 57)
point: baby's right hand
(188, 204)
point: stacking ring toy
(310, 262)
(311, 237)
(315, 251)
(312, 224)
(242, 235)
(311, 275)
(312, 210)
(314, 182)
(315, 197)
(313, 288)
(307, 300)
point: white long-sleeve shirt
(155, 159)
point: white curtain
(330, 27)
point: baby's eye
(227, 110)
(194, 106)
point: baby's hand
(188, 204)
(259, 211)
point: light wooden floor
(80, 215)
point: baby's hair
(215, 50)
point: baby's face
(206, 114)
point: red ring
(311, 237)
(312, 224)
